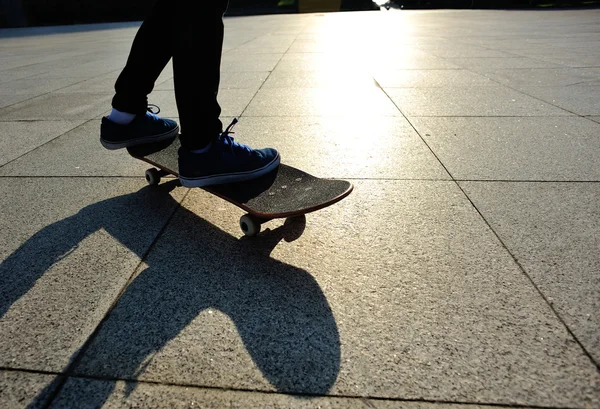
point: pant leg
(196, 70)
(150, 52)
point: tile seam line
(502, 243)
(46, 143)
(262, 85)
(266, 392)
(532, 282)
(80, 353)
(514, 89)
(532, 96)
(54, 90)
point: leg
(196, 70)
(129, 124)
(208, 155)
(150, 52)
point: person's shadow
(279, 311)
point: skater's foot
(148, 128)
(224, 161)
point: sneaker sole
(140, 141)
(230, 178)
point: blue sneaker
(147, 128)
(225, 161)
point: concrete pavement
(463, 271)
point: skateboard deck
(284, 192)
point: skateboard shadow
(282, 318)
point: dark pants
(190, 32)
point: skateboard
(284, 192)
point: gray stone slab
(8, 75)
(7, 100)
(337, 147)
(97, 67)
(255, 48)
(112, 395)
(320, 102)
(579, 99)
(236, 80)
(372, 59)
(248, 62)
(56, 106)
(75, 153)
(453, 49)
(400, 291)
(229, 80)
(21, 390)
(39, 86)
(103, 84)
(327, 78)
(233, 101)
(575, 57)
(470, 101)
(298, 62)
(544, 77)
(82, 64)
(552, 229)
(18, 138)
(594, 118)
(429, 78)
(68, 246)
(479, 64)
(547, 149)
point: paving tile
(19, 72)
(68, 247)
(75, 153)
(543, 77)
(579, 99)
(7, 100)
(39, 86)
(56, 106)
(594, 118)
(321, 102)
(552, 230)
(420, 302)
(21, 390)
(18, 138)
(453, 50)
(235, 80)
(328, 62)
(577, 57)
(229, 80)
(337, 147)
(234, 102)
(327, 78)
(276, 42)
(113, 395)
(429, 78)
(470, 101)
(248, 62)
(514, 148)
(411, 59)
(104, 84)
(477, 64)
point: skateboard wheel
(250, 226)
(152, 177)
